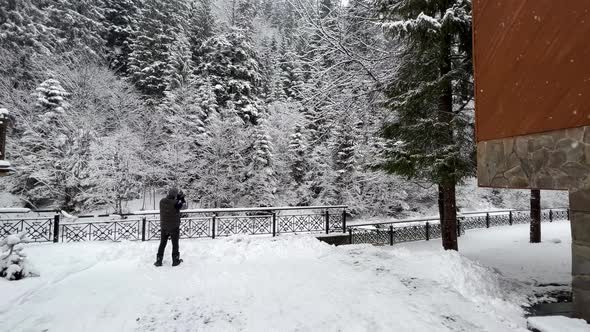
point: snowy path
(290, 283)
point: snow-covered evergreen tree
(298, 168)
(280, 127)
(121, 22)
(206, 96)
(24, 25)
(345, 163)
(149, 52)
(241, 15)
(117, 171)
(182, 114)
(79, 26)
(429, 135)
(180, 68)
(159, 25)
(221, 164)
(261, 179)
(290, 75)
(184, 122)
(322, 176)
(51, 98)
(42, 142)
(14, 264)
(229, 62)
(202, 25)
(268, 54)
(297, 151)
(53, 153)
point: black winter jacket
(170, 213)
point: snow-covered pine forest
(240, 102)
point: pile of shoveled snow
(528, 268)
(288, 283)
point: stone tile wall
(553, 160)
(580, 222)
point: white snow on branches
(422, 22)
(13, 262)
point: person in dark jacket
(170, 207)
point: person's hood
(172, 193)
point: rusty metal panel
(532, 66)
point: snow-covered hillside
(289, 283)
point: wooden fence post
(427, 231)
(550, 215)
(510, 218)
(487, 220)
(344, 221)
(350, 235)
(327, 222)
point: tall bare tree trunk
(144, 193)
(535, 216)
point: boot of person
(176, 259)
(158, 260)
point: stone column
(580, 222)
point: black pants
(174, 236)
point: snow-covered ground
(558, 324)
(288, 283)
(508, 251)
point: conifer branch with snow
(14, 264)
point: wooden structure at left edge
(5, 167)
(532, 81)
